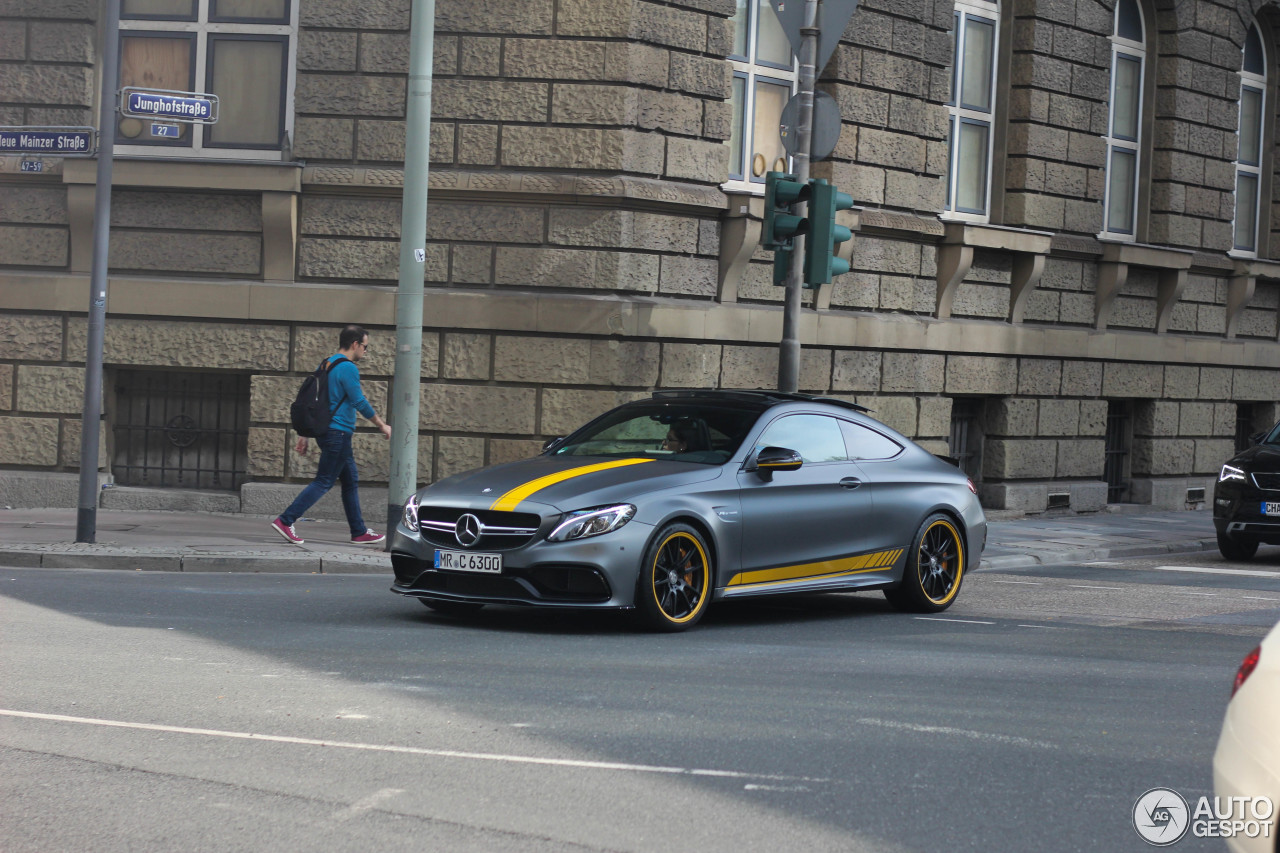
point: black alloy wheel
(935, 568)
(675, 583)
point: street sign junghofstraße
(49, 141)
(188, 107)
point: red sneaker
(368, 538)
(287, 531)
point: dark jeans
(336, 463)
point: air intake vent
(1059, 500)
(1195, 495)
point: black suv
(1246, 501)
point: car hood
(1261, 457)
(564, 483)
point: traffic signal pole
(789, 350)
(91, 413)
(403, 480)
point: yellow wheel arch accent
(959, 543)
(705, 571)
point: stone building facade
(1056, 276)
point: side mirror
(551, 443)
(772, 459)
(1257, 437)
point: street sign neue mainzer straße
(49, 141)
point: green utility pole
(413, 252)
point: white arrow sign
(833, 15)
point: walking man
(336, 460)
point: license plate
(1270, 508)
(466, 561)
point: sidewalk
(216, 542)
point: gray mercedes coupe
(667, 504)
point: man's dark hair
(350, 335)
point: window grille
(181, 430)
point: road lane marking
(1244, 573)
(1023, 583)
(1046, 627)
(1191, 592)
(1258, 598)
(572, 763)
(948, 730)
(962, 621)
(368, 803)
(1082, 586)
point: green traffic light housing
(782, 192)
(821, 260)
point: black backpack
(310, 410)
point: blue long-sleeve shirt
(346, 396)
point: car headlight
(1230, 472)
(592, 522)
(410, 516)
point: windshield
(683, 432)
(1273, 436)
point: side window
(1249, 171)
(866, 443)
(816, 438)
(764, 75)
(972, 109)
(242, 51)
(1124, 127)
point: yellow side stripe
(511, 499)
(818, 571)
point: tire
(676, 580)
(452, 608)
(935, 568)
(1236, 549)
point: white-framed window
(764, 76)
(972, 107)
(1253, 109)
(243, 51)
(1124, 124)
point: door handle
(850, 483)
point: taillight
(972, 487)
(1246, 668)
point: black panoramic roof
(760, 398)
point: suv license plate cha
(1270, 508)
(466, 561)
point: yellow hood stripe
(511, 499)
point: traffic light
(782, 192)
(822, 244)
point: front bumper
(595, 573)
(1237, 512)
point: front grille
(500, 531)
(1270, 482)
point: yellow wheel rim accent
(680, 574)
(940, 562)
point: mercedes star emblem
(468, 530)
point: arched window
(972, 107)
(1124, 125)
(764, 76)
(1253, 107)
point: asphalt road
(148, 711)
